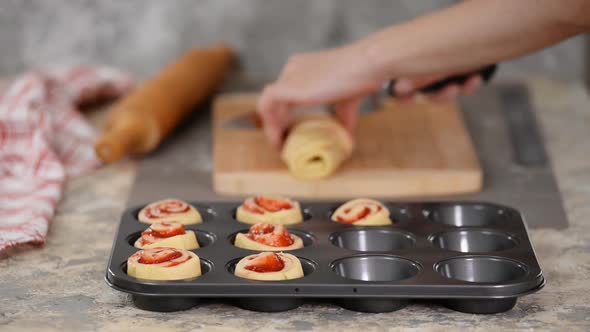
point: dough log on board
(316, 146)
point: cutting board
(401, 150)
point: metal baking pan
(471, 257)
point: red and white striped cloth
(43, 141)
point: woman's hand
(338, 77)
(335, 76)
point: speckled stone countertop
(61, 286)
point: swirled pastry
(267, 237)
(269, 266)
(362, 212)
(164, 264)
(273, 210)
(168, 235)
(170, 210)
(316, 146)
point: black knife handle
(486, 74)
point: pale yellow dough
(192, 216)
(283, 217)
(186, 270)
(316, 146)
(187, 241)
(292, 269)
(243, 241)
(375, 218)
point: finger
(472, 84)
(347, 112)
(449, 92)
(272, 112)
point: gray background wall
(142, 35)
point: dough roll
(316, 146)
(167, 235)
(170, 210)
(273, 210)
(362, 212)
(268, 237)
(164, 264)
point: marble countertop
(61, 286)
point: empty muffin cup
(473, 241)
(468, 214)
(481, 269)
(375, 268)
(372, 240)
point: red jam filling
(161, 230)
(167, 207)
(270, 235)
(252, 207)
(177, 262)
(272, 204)
(157, 256)
(269, 262)
(351, 219)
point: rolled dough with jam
(269, 266)
(170, 210)
(267, 237)
(316, 146)
(273, 210)
(167, 235)
(164, 264)
(362, 212)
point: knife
(251, 119)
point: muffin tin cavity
(474, 240)
(375, 268)
(467, 214)
(469, 256)
(372, 239)
(306, 237)
(482, 269)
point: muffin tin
(471, 257)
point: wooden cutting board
(402, 151)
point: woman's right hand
(339, 77)
(335, 76)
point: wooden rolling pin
(139, 122)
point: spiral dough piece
(168, 235)
(170, 210)
(362, 212)
(164, 264)
(269, 266)
(267, 237)
(273, 210)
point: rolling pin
(139, 122)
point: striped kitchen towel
(43, 141)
